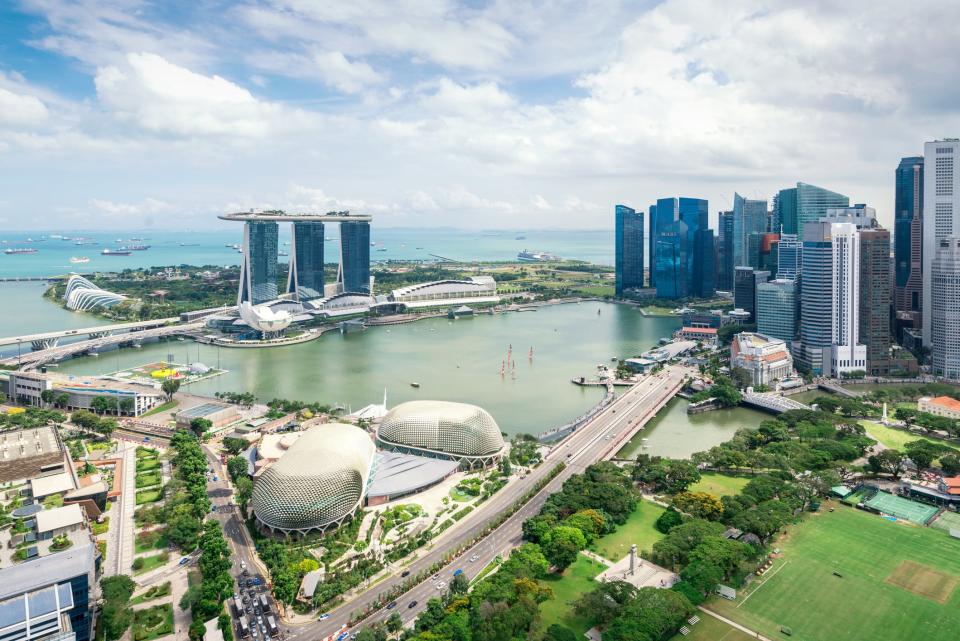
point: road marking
(763, 583)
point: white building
(766, 358)
(944, 314)
(847, 354)
(476, 289)
(941, 216)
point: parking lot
(253, 610)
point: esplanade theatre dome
(455, 430)
(319, 481)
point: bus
(264, 603)
(243, 626)
(272, 626)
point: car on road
(391, 605)
(184, 560)
(441, 585)
(412, 604)
(436, 577)
(343, 636)
(458, 572)
(474, 558)
(405, 573)
(324, 616)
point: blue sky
(520, 113)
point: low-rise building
(767, 359)
(219, 414)
(32, 452)
(60, 520)
(78, 392)
(477, 289)
(940, 406)
(43, 486)
(706, 335)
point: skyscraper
(762, 251)
(652, 244)
(908, 239)
(306, 278)
(789, 256)
(816, 299)
(944, 308)
(680, 248)
(725, 251)
(941, 214)
(786, 213)
(749, 217)
(848, 354)
(813, 203)
(258, 271)
(875, 299)
(703, 282)
(745, 282)
(670, 260)
(628, 239)
(355, 256)
(777, 309)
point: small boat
(415, 384)
(79, 260)
(381, 249)
(20, 250)
(189, 244)
(138, 248)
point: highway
(84, 331)
(598, 440)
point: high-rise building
(258, 271)
(875, 299)
(670, 260)
(941, 213)
(786, 211)
(749, 217)
(860, 216)
(745, 280)
(703, 281)
(944, 308)
(628, 240)
(908, 239)
(681, 247)
(652, 245)
(725, 251)
(789, 256)
(830, 306)
(306, 279)
(813, 203)
(777, 309)
(355, 257)
(762, 251)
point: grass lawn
(101, 528)
(567, 588)
(146, 479)
(457, 495)
(886, 568)
(153, 592)
(638, 529)
(150, 540)
(169, 405)
(153, 623)
(719, 484)
(710, 629)
(151, 562)
(894, 438)
(147, 464)
(148, 496)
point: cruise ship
(536, 257)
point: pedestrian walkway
(127, 504)
(596, 557)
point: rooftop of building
(27, 443)
(59, 517)
(945, 402)
(700, 330)
(51, 484)
(47, 570)
(403, 473)
(280, 216)
(758, 341)
(202, 410)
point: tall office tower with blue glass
(628, 250)
(258, 273)
(683, 263)
(306, 279)
(749, 217)
(354, 272)
(908, 243)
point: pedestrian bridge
(772, 402)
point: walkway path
(596, 557)
(127, 504)
(734, 624)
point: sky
(426, 113)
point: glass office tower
(786, 211)
(725, 252)
(306, 261)
(816, 299)
(908, 238)
(749, 217)
(652, 245)
(258, 273)
(813, 203)
(355, 257)
(669, 261)
(628, 239)
(777, 310)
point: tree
(47, 396)
(170, 386)
(106, 426)
(459, 584)
(605, 603)
(199, 426)
(923, 453)
(950, 464)
(127, 405)
(237, 467)
(395, 622)
(53, 501)
(557, 632)
(701, 576)
(101, 404)
(234, 445)
(244, 487)
(667, 520)
(889, 461)
(116, 613)
(61, 399)
(505, 468)
(699, 504)
(590, 522)
(563, 545)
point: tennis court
(947, 521)
(901, 508)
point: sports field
(898, 582)
(946, 521)
(919, 513)
(719, 484)
(893, 438)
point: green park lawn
(893, 438)
(169, 405)
(148, 496)
(710, 629)
(146, 479)
(152, 593)
(567, 588)
(638, 529)
(719, 484)
(150, 540)
(802, 593)
(153, 623)
(151, 562)
(147, 464)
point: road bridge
(837, 389)
(46, 340)
(32, 360)
(773, 402)
(595, 441)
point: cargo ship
(115, 252)
(20, 250)
(536, 257)
(136, 248)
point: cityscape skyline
(485, 124)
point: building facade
(725, 251)
(684, 258)
(789, 256)
(628, 249)
(306, 277)
(745, 282)
(847, 352)
(813, 203)
(777, 310)
(354, 272)
(940, 406)
(941, 217)
(816, 299)
(944, 316)
(766, 358)
(258, 271)
(786, 211)
(749, 217)
(908, 236)
(875, 294)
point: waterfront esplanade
(305, 281)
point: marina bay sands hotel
(305, 280)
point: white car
(441, 585)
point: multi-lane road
(598, 440)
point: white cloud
(21, 110)
(122, 209)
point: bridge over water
(46, 340)
(773, 402)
